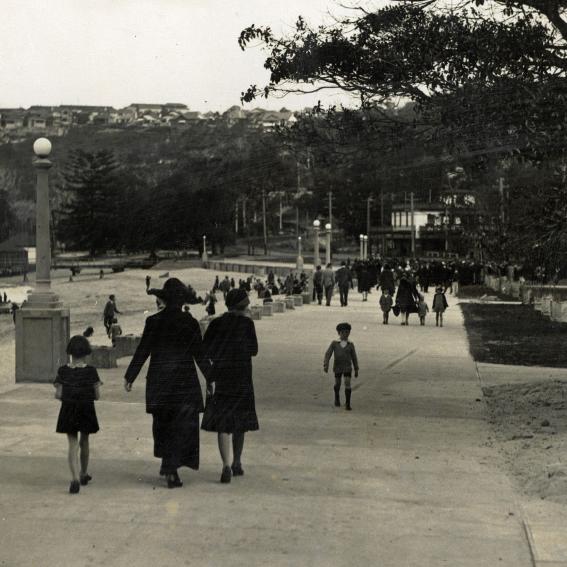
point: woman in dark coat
(172, 339)
(406, 298)
(387, 280)
(230, 343)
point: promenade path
(405, 479)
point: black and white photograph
(283, 283)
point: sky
(118, 52)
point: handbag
(396, 310)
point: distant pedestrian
(224, 286)
(101, 275)
(5, 298)
(216, 284)
(422, 309)
(344, 360)
(148, 282)
(318, 285)
(232, 283)
(386, 303)
(328, 283)
(109, 313)
(14, 308)
(439, 305)
(115, 331)
(77, 386)
(343, 278)
(210, 300)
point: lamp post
(204, 256)
(328, 247)
(361, 236)
(316, 259)
(299, 261)
(42, 324)
(365, 247)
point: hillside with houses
(17, 124)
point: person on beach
(230, 343)
(210, 300)
(148, 281)
(109, 313)
(172, 341)
(344, 360)
(77, 386)
(386, 303)
(439, 305)
(115, 331)
(422, 309)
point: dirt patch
(514, 334)
(529, 424)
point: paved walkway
(406, 479)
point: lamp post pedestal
(42, 323)
(204, 256)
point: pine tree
(91, 187)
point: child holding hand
(344, 361)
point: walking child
(345, 358)
(422, 309)
(115, 331)
(211, 300)
(386, 303)
(77, 386)
(439, 305)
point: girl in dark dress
(77, 386)
(172, 339)
(230, 343)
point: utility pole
(330, 216)
(244, 212)
(412, 226)
(264, 222)
(281, 215)
(383, 228)
(368, 201)
(296, 221)
(236, 218)
(502, 210)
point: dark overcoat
(407, 296)
(230, 343)
(172, 339)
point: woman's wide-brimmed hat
(237, 299)
(174, 291)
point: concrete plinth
(297, 300)
(42, 335)
(256, 312)
(289, 303)
(306, 298)
(126, 345)
(267, 310)
(103, 357)
(278, 306)
(559, 311)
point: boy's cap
(343, 327)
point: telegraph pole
(281, 215)
(382, 221)
(264, 222)
(412, 226)
(236, 218)
(330, 216)
(368, 201)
